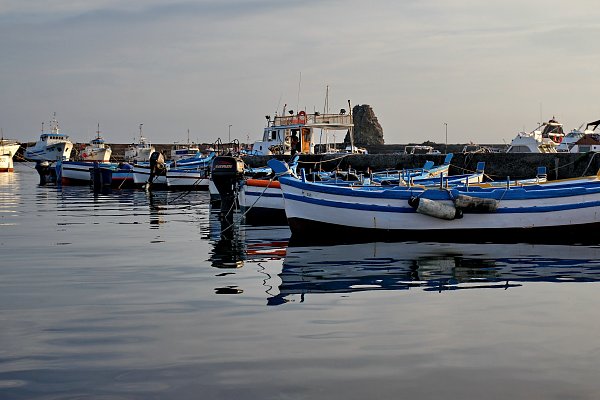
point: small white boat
(80, 173)
(140, 151)
(190, 173)
(538, 141)
(183, 151)
(97, 149)
(420, 149)
(51, 146)
(142, 175)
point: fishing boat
(563, 212)
(96, 149)
(538, 141)
(183, 151)
(51, 146)
(189, 174)
(298, 132)
(140, 151)
(80, 172)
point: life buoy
(302, 117)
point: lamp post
(229, 137)
(446, 125)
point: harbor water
(135, 295)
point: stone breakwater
(498, 166)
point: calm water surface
(127, 295)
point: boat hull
(141, 176)
(187, 180)
(6, 163)
(101, 155)
(261, 202)
(7, 148)
(80, 173)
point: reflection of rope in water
(262, 271)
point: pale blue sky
(487, 68)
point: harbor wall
(498, 166)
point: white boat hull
(52, 152)
(9, 149)
(6, 163)
(261, 204)
(102, 155)
(181, 179)
(141, 176)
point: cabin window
(273, 135)
(520, 149)
(584, 149)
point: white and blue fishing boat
(562, 212)
(80, 173)
(190, 173)
(51, 146)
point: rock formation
(367, 130)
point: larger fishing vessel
(51, 146)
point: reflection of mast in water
(228, 248)
(430, 267)
(157, 205)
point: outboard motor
(157, 166)
(46, 171)
(226, 171)
(101, 177)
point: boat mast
(351, 130)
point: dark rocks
(367, 130)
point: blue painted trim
(265, 194)
(398, 192)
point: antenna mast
(298, 100)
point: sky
(487, 69)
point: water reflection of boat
(430, 267)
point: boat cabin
(297, 133)
(553, 130)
